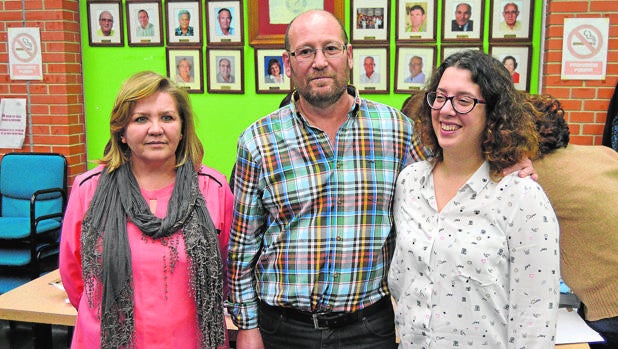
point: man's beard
(323, 99)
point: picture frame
(265, 59)
(144, 19)
(473, 29)
(448, 50)
(378, 82)
(178, 60)
(179, 31)
(407, 62)
(521, 55)
(218, 70)
(369, 21)
(105, 23)
(511, 20)
(227, 14)
(268, 19)
(407, 28)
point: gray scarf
(118, 200)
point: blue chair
(33, 188)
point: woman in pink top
(146, 231)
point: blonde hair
(143, 85)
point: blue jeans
(607, 328)
(374, 331)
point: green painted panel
(220, 117)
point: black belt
(327, 320)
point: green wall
(220, 117)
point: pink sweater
(164, 309)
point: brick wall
(586, 101)
(56, 102)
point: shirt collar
(477, 182)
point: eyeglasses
(510, 13)
(106, 20)
(308, 53)
(461, 104)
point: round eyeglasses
(461, 104)
(308, 53)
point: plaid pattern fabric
(317, 216)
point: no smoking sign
(585, 41)
(25, 61)
(24, 47)
(584, 48)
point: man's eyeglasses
(106, 20)
(510, 13)
(461, 104)
(308, 53)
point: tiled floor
(22, 336)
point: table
(41, 303)
(44, 304)
(38, 301)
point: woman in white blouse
(476, 263)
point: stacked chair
(33, 197)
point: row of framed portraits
(462, 21)
(414, 64)
(183, 25)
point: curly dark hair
(509, 135)
(550, 124)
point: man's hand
(249, 339)
(524, 167)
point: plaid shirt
(312, 221)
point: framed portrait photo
(413, 67)
(371, 71)
(224, 22)
(185, 67)
(511, 20)
(144, 20)
(516, 60)
(416, 21)
(184, 23)
(448, 50)
(369, 21)
(225, 67)
(270, 73)
(268, 19)
(462, 20)
(105, 23)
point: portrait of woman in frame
(462, 20)
(225, 70)
(370, 22)
(511, 20)
(414, 65)
(224, 21)
(105, 23)
(184, 23)
(516, 60)
(416, 21)
(184, 66)
(144, 20)
(270, 72)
